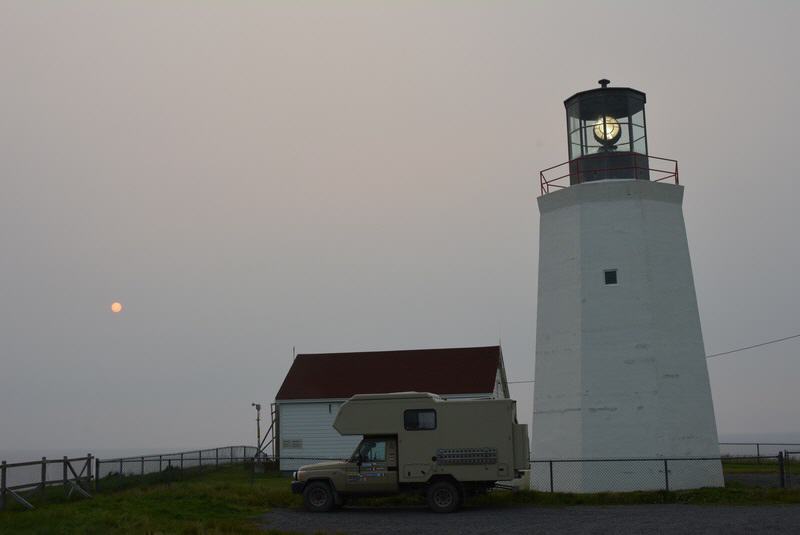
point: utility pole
(258, 428)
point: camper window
(374, 451)
(419, 419)
(370, 451)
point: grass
(214, 501)
(751, 468)
(230, 499)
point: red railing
(569, 173)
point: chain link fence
(156, 463)
(625, 475)
(757, 449)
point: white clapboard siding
(307, 434)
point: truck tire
(443, 497)
(318, 497)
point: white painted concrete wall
(620, 370)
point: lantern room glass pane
(639, 140)
(575, 143)
(574, 123)
(638, 118)
(591, 146)
(624, 143)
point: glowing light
(116, 307)
(606, 131)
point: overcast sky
(249, 176)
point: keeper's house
(318, 384)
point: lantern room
(607, 134)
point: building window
(419, 419)
(610, 276)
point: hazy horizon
(248, 177)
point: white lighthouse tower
(620, 363)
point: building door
(377, 471)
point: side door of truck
(377, 473)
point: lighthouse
(620, 363)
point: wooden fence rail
(72, 480)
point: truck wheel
(443, 497)
(318, 497)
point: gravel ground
(543, 520)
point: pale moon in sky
(116, 307)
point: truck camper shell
(470, 440)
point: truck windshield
(371, 450)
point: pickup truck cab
(418, 442)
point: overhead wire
(738, 349)
(775, 341)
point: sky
(249, 177)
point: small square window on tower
(610, 276)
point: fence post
(781, 473)
(231, 454)
(181, 460)
(2, 485)
(787, 462)
(120, 467)
(159, 462)
(44, 476)
(200, 458)
(551, 476)
(141, 468)
(96, 474)
(666, 476)
(758, 453)
(64, 472)
(216, 456)
(89, 471)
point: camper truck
(419, 442)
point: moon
(116, 307)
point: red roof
(465, 370)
